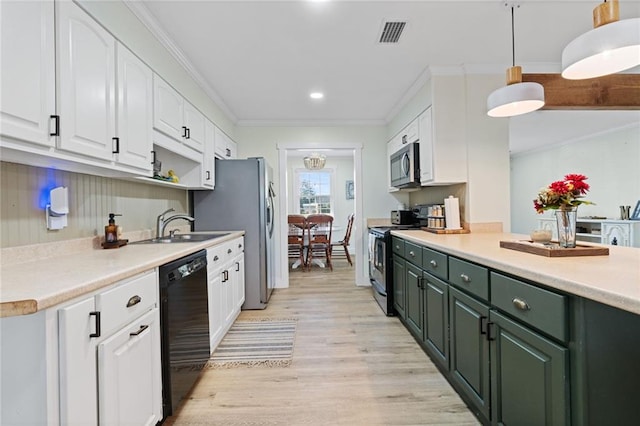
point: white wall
(610, 160)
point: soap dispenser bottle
(111, 230)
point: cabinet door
(616, 234)
(426, 147)
(228, 281)
(86, 83)
(195, 123)
(436, 319)
(135, 110)
(209, 156)
(529, 376)
(239, 282)
(232, 149)
(414, 299)
(399, 286)
(27, 52)
(469, 357)
(78, 377)
(215, 295)
(168, 109)
(130, 382)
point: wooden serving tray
(445, 231)
(553, 249)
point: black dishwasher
(184, 319)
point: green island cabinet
(519, 353)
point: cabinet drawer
(397, 246)
(413, 253)
(472, 278)
(542, 309)
(126, 302)
(435, 263)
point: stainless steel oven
(380, 274)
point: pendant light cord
(513, 40)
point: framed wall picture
(349, 189)
(635, 214)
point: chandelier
(314, 161)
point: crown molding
(311, 123)
(147, 19)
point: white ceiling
(261, 59)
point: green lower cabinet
(414, 305)
(529, 382)
(436, 319)
(399, 286)
(469, 356)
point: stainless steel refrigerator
(243, 199)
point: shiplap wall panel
(91, 199)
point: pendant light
(612, 46)
(516, 97)
(314, 161)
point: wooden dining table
(305, 245)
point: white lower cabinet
(130, 387)
(109, 356)
(225, 271)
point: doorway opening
(335, 189)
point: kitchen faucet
(161, 222)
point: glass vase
(566, 220)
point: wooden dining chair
(296, 239)
(319, 228)
(344, 243)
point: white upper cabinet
(135, 110)
(176, 118)
(86, 83)
(426, 147)
(194, 121)
(208, 158)
(27, 54)
(168, 109)
(225, 147)
(443, 141)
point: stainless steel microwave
(405, 166)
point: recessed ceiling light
(316, 95)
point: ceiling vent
(391, 32)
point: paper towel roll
(452, 212)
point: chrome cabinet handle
(412, 254)
(134, 300)
(433, 263)
(521, 304)
(140, 330)
(465, 278)
(397, 247)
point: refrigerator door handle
(270, 216)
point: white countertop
(613, 280)
(28, 287)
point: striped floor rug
(266, 342)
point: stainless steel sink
(181, 238)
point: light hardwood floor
(351, 366)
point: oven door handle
(373, 284)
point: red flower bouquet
(562, 194)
